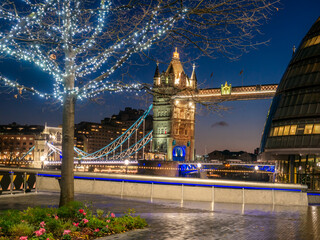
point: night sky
(238, 128)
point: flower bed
(74, 221)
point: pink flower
(56, 217)
(107, 226)
(23, 238)
(85, 220)
(48, 238)
(84, 214)
(108, 220)
(81, 211)
(66, 232)
(22, 220)
(97, 230)
(38, 233)
(113, 215)
(42, 224)
(75, 224)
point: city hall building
(292, 130)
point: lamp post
(126, 162)
(199, 169)
(42, 159)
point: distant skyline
(239, 128)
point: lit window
(316, 129)
(286, 130)
(308, 129)
(271, 132)
(280, 133)
(275, 131)
(293, 129)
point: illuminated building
(292, 130)
(173, 119)
(16, 140)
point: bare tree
(80, 44)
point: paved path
(167, 220)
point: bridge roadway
(237, 93)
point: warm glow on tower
(176, 54)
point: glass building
(292, 130)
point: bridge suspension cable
(113, 146)
(133, 148)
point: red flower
(81, 210)
(97, 230)
(75, 224)
(113, 215)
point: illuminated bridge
(229, 93)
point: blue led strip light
(171, 183)
(314, 194)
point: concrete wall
(171, 190)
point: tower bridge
(174, 107)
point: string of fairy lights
(58, 46)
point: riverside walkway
(167, 220)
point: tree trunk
(67, 175)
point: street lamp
(126, 162)
(199, 169)
(42, 159)
(256, 168)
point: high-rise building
(292, 130)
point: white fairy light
(56, 46)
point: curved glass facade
(292, 130)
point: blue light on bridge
(179, 153)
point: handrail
(166, 180)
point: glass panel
(293, 129)
(316, 129)
(275, 131)
(308, 129)
(271, 132)
(280, 133)
(286, 130)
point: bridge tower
(174, 119)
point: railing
(171, 188)
(14, 180)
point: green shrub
(21, 229)
(8, 219)
(96, 223)
(100, 213)
(75, 218)
(70, 210)
(37, 214)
